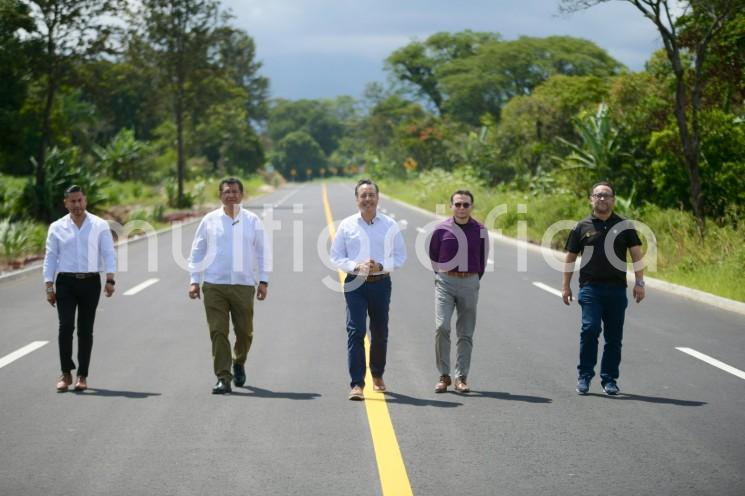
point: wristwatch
(264, 283)
(110, 281)
(50, 289)
(639, 283)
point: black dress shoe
(222, 387)
(239, 374)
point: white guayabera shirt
(230, 251)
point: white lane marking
(288, 195)
(490, 261)
(403, 224)
(383, 210)
(545, 287)
(420, 230)
(713, 361)
(12, 357)
(391, 215)
(141, 286)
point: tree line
(161, 88)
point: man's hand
(194, 291)
(566, 295)
(52, 298)
(362, 268)
(261, 291)
(108, 289)
(638, 293)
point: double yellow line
(394, 481)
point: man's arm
(51, 259)
(338, 255)
(198, 251)
(566, 290)
(636, 257)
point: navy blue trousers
(603, 309)
(369, 299)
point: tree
(317, 118)
(417, 64)
(69, 30)
(298, 152)
(179, 32)
(711, 17)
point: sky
(328, 48)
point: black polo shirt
(593, 232)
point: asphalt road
(149, 424)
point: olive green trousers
(222, 303)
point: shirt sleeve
(106, 245)
(198, 251)
(632, 237)
(338, 255)
(399, 251)
(51, 257)
(573, 244)
(263, 252)
(484, 233)
(434, 248)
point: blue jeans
(606, 304)
(373, 299)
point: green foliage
(62, 168)
(316, 118)
(298, 156)
(123, 157)
(14, 237)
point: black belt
(79, 275)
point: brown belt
(80, 275)
(460, 274)
(378, 277)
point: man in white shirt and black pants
(79, 247)
(367, 246)
(228, 243)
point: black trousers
(81, 295)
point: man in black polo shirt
(603, 239)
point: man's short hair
(365, 182)
(73, 189)
(462, 192)
(603, 183)
(231, 180)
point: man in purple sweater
(458, 251)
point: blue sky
(326, 48)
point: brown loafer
(81, 384)
(378, 384)
(461, 386)
(64, 382)
(356, 394)
(443, 384)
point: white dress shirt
(357, 242)
(230, 251)
(88, 248)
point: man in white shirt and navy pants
(367, 246)
(79, 247)
(228, 243)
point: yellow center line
(391, 469)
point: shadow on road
(650, 399)
(410, 400)
(499, 395)
(266, 393)
(114, 393)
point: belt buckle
(80, 276)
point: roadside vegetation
(146, 125)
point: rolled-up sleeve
(106, 246)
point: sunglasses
(462, 204)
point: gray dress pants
(462, 294)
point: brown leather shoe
(461, 386)
(356, 394)
(442, 386)
(64, 382)
(378, 384)
(81, 384)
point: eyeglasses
(462, 204)
(602, 196)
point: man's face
(75, 203)
(602, 199)
(367, 199)
(231, 195)
(461, 207)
